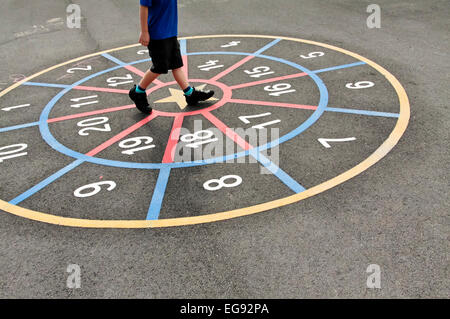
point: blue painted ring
(50, 139)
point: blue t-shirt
(162, 18)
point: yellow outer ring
(385, 148)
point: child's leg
(148, 78)
(138, 94)
(193, 95)
(181, 79)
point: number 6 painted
(360, 85)
(96, 189)
(312, 55)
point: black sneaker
(198, 96)
(140, 100)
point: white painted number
(360, 85)
(260, 126)
(279, 89)
(15, 152)
(312, 55)
(263, 126)
(95, 189)
(216, 184)
(204, 136)
(114, 81)
(133, 143)
(7, 109)
(77, 105)
(231, 44)
(259, 72)
(86, 68)
(246, 117)
(93, 122)
(325, 141)
(211, 64)
(142, 52)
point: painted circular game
(74, 150)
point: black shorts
(165, 54)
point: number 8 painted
(221, 183)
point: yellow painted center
(177, 96)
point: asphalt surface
(395, 214)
